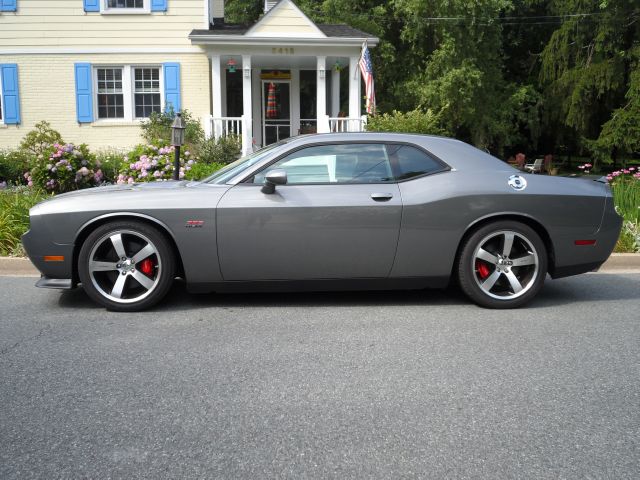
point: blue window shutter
(8, 5)
(10, 93)
(84, 92)
(172, 87)
(158, 5)
(91, 5)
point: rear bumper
(572, 259)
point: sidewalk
(617, 263)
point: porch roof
(335, 35)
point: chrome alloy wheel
(125, 266)
(505, 265)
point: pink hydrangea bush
(149, 163)
(625, 174)
(64, 167)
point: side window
(410, 162)
(340, 163)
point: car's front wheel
(126, 266)
(502, 265)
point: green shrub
(40, 138)
(625, 185)
(148, 163)
(629, 241)
(157, 129)
(13, 165)
(415, 121)
(111, 162)
(14, 217)
(63, 168)
(223, 150)
(200, 171)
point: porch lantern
(177, 140)
(231, 65)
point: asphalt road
(341, 385)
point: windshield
(227, 173)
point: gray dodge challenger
(329, 212)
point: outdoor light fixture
(231, 65)
(177, 140)
(322, 73)
(247, 72)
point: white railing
(218, 127)
(223, 126)
(344, 124)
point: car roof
(457, 154)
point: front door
(276, 111)
(338, 217)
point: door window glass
(346, 163)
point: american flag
(366, 68)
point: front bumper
(55, 283)
(39, 246)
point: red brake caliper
(482, 269)
(146, 267)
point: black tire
(133, 284)
(489, 277)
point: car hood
(121, 188)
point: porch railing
(344, 124)
(218, 127)
(223, 126)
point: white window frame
(106, 10)
(128, 91)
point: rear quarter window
(409, 162)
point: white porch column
(247, 123)
(321, 96)
(355, 102)
(216, 94)
(295, 102)
(335, 92)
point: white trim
(207, 14)
(278, 41)
(98, 50)
(106, 10)
(279, 6)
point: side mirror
(273, 178)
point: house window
(147, 97)
(110, 93)
(125, 6)
(128, 92)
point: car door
(337, 217)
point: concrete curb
(617, 263)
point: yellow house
(95, 68)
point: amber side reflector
(54, 258)
(585, 242)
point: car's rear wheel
(126, 266)
(502, 265)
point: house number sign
(282, 50)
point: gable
(285, 19)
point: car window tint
(411, 162)
(342, 163)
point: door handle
(382, 197)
